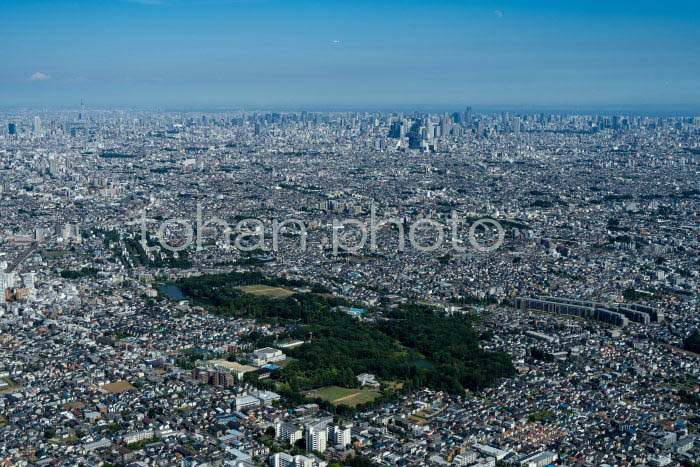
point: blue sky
(360, 53)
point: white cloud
(39, 76)
(498, 13)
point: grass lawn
(345, 396)
(395, 385)
(55, 253)
(266, 291)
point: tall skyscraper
(37, 125)
(397, 130)
(444, 127)
(12, 128)
(414, 136)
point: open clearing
(266, 291)
(119, 386)
(350, 397)
(9, 386)
(55, 253)
(73, 405)
(418, 418)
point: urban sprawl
(155, 309)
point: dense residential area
(196, 289)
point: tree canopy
(338, 347)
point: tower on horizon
(36, 126)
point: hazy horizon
(602, 110)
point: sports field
(344, 396)
(266, 291)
